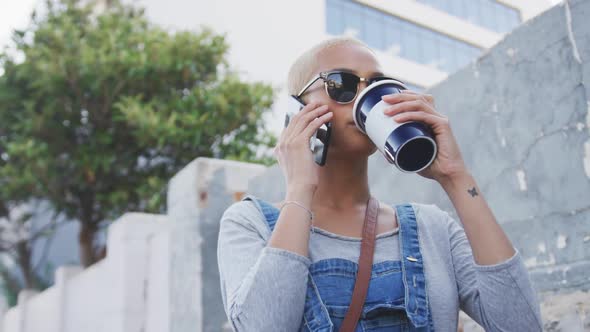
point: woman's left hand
(412, 106)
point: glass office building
(489, 14)
(418, 43)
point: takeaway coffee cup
(410, 145)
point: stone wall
(118, 294)
(197, 197)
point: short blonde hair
(303, 69)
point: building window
(398, 37)
(489, 14)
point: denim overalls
(396, 299)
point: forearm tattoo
(472, 192)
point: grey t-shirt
(263, 288)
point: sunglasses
(341, 86)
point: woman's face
(346, 140)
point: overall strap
(271, 213)
(365, 265)
(416, 297)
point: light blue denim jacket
(270, 289)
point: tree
(99, 109)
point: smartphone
(320, 141)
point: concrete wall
(197, 197)
(113, 295)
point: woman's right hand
(292, 151)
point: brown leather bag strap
(361, 284)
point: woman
(276, 275)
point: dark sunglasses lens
(342, 86)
